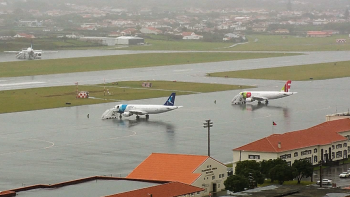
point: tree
(236, 183)
(266, 166)
(304, 169)
(252, 170)
(282, 172)
(247, 164)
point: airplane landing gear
(137, 117)
(147, 117)
(266, 102)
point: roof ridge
(267, 138)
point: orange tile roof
(322, 134)
(187, 33)
(169, 167)
(172, 189)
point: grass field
(70, 65)
(296, 73)
(54, 97)
(264, 43)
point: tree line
(249, 173)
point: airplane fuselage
(145, 109)
(270, 94)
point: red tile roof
(322, 134)
(187, 33)
(169, 167)
(172, 189)
(318, 33)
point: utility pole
(321, 173)
(208, 124)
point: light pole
(208, 124)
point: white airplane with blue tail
(128, 110)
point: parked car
(344, 175)
(325, 182)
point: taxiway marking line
(18, 84)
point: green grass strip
(65, 96)
(296, 73)
(70, 65)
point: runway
(50, 146)
(185, 72)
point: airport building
(327, 141)
(108, 41)
(129, 40)
(196, 170)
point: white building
(191, 36)
(196, 170)
(129, 40)
(327, 141)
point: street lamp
(208, 124)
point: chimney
(279, 144)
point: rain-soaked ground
(54, 145)
(49, 146)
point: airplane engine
(127, 114)
(248, 100)
(37, 55)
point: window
(223, 175)
(308, 159)
(289, 163)
(345, 144)
(213, 177)
(295, 154)
(315, 159)
(339, 154)
(339, 146)
(345, 154)
(332, 155)
(286, 156)
(254, 156)
(332, 146)
(219, 175)
(305, 152)
(315, 150)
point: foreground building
(327, 141)
(196, 170)
(99, 186)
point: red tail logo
(249, 94)
(287, 86)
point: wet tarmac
(55, 145)
(10, 57)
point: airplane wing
(12, 51)
(138, 112)
(258, 98)
(41, 51)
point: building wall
(338, 151)
(337, 116)
(213, 173)
(249, 155)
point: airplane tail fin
(286, 86)
(171, 100)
